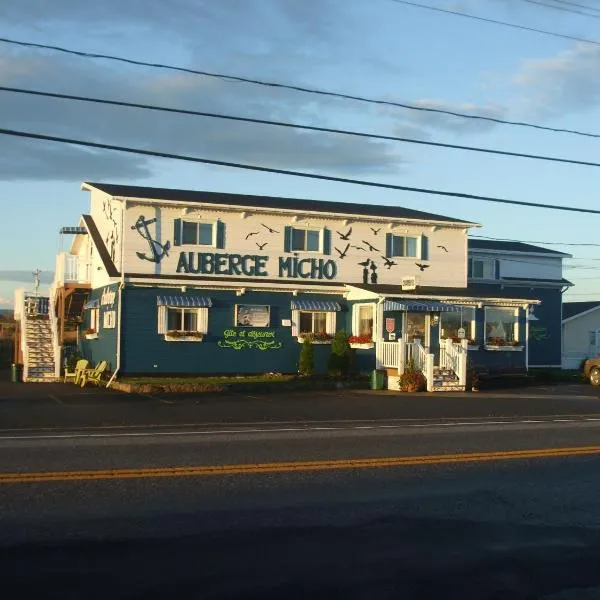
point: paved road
(496, 527)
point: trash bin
(377, 379)
(14, 373)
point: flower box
(315, 338)
(183, 336)
(503, 348)
(365, 346)
(361, 341)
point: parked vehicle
(591, 370)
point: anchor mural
(158, 250)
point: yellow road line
(284, 467)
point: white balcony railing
(71, 269)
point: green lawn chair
(94, 375)
(80, 367)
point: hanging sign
(461, 333)
(390, 324)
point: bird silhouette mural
(342, 254)
(345, 236)
(443, 248)
(373, 268)
(421, 266)
(249, 235)
(365, 265)
(375, 231)
(261, 246)
(358, 248)
(370, 246)
(269, 229)
(388, 263)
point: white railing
(423, 361)
(454, 356)
(54, 328)
(71, 269)
(387, 354)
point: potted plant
(179, 335)
(339, 359)
(412, 380)
(315, 338)
(306, 364)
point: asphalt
(527, 528)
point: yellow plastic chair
(80, 366)
(94, 375)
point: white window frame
(109, 319)
(419, 241)
(515, 312)
(330, 321)
(489, 261)
(95, 319)
(196, 222)
(470, 321)
(319, 230)
(356, 317)
(201, 318)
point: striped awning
(184, 301)
(420, 306)
(91, 304)
(316, 305)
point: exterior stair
(39, 349)
(446, 380)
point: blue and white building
(173, 282)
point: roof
(508, 246)
(225, 199)
(560, 282)
(572, 309)
(473, 291)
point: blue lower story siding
(145, 351)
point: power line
(299, 126)
(496, 22)
(483, 237)
(296, 88)
(562, 8)
(577, 5)
(375, 184)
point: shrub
(339, 359)
(412, 380)
(306, 364)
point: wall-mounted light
(530, 315)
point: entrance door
(417, 327)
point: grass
(221, 380)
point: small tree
(306, 364)
(339, 358)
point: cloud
(566, 83)
(25, 276)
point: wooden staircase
(39, 350)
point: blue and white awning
(316, 305)
(420, 306)
(184, 301)
(91, 304)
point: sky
(376, 48)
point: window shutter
(220, 235)
(330, 323)
(203, 320)
(389, 244)
(470, 267)
(497, 269)
(287, 238)
(162, 320)
(424, 248)
(295, 321)
(326, 240)
(177, 232)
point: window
(194, 233)
(482, 268)
(451, 322)
(305, 239)
(404, 245)
(178, 319)
(501, 326)
(94, 319)
(362, 324)
(315, 322)
(109, 319)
